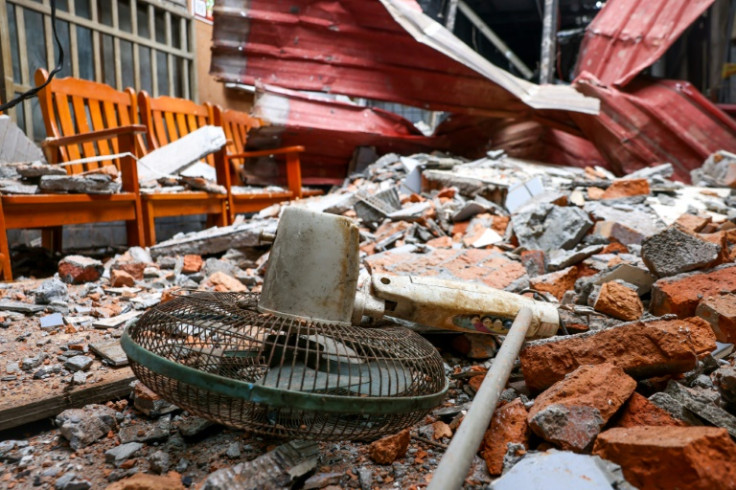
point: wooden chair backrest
(72, 106)
(168, 118)
(236, 125)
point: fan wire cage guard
(216, 356)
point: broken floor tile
(20, 307)
(562, 470)
(111, 352)
(116, 321)
(278, 468)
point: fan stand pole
(453, 467)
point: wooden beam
(18, 409)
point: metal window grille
(144, 44)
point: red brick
(135, 269)
(638, 411)
(221, 282)
(556, 283)
(627, 188)
(475, 346)
(618, 232)
(671, 457)
(192, 263)
(692, 222)
(620, 302)
(120, 278)
(720, 313)
(441, 242)
(388, 449)
(641, 349)
(509, 424)
(680, 295)
(490, 267)
(534, 261)
(603, 388)
(76, 269)
(143, 481)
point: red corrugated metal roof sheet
(629, 35)
(330, 131)
(378, 49)
(655, 121)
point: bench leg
(51, 238)
(135, 229)
(149, 223)
(7, 271)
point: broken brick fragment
(144, 481)
(388, 449)
(441, 430)
(77, 269)
(192, 263)
(120, 278)
(626, 188)
(680, 295)
(642, 350)
(638, 411)
(568, 412)
(475, 346)
(556, 283)
(222, 282)
(618, 232)
(509, 424)
(490, 267)
(619, 301)
(534, 261)
(671, 457)
(692, 222)
(720, 312)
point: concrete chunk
(675, 251)
(548, 227)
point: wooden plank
(43, 402)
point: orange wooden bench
(83, 119)
(236, 125)
(167, 119)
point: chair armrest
(102, 134)
(264, 153)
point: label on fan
(483, 323)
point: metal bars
(110, 37)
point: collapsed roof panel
(331, 131)
(629, 35)
(385, 50)
(655, 121)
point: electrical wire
(31, 93)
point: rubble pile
(637, 389)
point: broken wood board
(37, 401)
